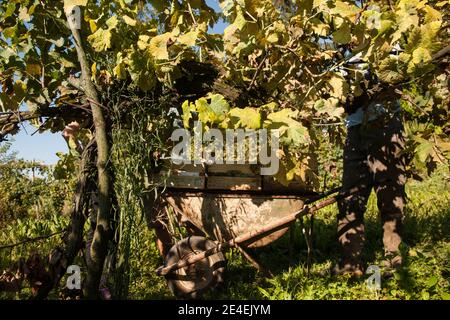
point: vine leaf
(100, 40)
(343, 34)
(249, 118)
(158, 46)
(68, 4)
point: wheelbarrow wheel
(192, 281)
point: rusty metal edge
(307, 209)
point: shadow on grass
(426, 221)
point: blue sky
(43, 147)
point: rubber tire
(199, 277)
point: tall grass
(426, 274)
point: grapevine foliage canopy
(283, 60)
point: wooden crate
(223, 177)
(239, 170)
(233, 183)
(270, 184)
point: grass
(426, 274)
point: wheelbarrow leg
(291, 242)
(309, 242)
(255, 263)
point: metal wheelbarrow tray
(233, 207)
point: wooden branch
(99, 246)
(17, 117)
(441, 53)
(75, 82)
(68, 111)
(74, 234)
(258, 69)
(31, 240)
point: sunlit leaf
(246, 118)
(158, 46)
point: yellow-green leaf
(142, 69)
(249, 118)
(296, 136)
(344, 9)
(218, 104)
(189, 39)
(100, 40)
(112, 22)
(212, 109)
(68, 4)
(339, 86)
(158, 46)
(421, 55)
(186, 107)
(423, 150)
(94, 71)
(92, 25)
(273, 38)
(24, 15)
(33, 68)
(284, 115)
(143, 42)
(343, 34)
(129, 21)
(119, 71)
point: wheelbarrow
(229, 212)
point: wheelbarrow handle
(323, 195)
(283, 222)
